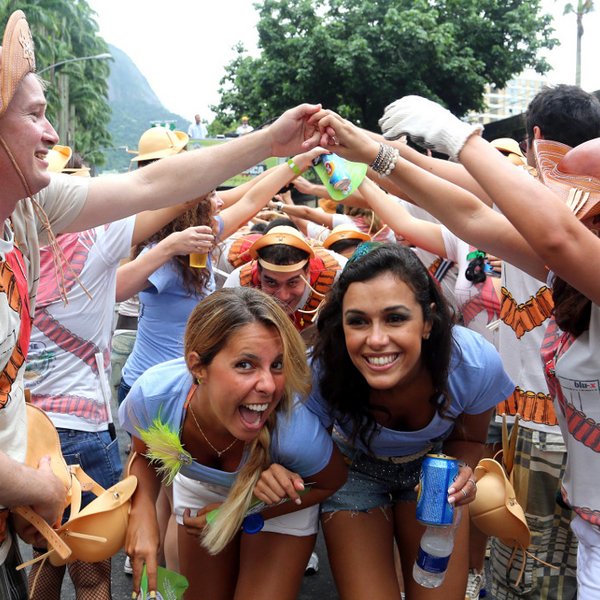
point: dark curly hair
(194, 280)
(341, 384)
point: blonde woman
(224, 424)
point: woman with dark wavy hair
(395, 379)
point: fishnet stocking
(90, 580)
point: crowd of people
(297, 364)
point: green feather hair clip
(165, 450)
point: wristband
(294, 167)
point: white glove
(428, 123)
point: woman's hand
(199, 239)
(463, 488)
(141, 545)
(195, 525)
(277, 483)
(304, 161)
(345, 139)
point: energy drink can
(438, 471)
(336, 172)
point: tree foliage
(356, 56)
(64, 29)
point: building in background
(508, 102)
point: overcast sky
(182, 46)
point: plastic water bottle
(434, 554)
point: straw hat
(58, 157)
(510, 148)
(580, 192)
(18, 57)
(495, 510)
(160, 142)
(345, 232)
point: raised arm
(418, 232)
(558, 239)
(462, 212)
(260, 194)
(188, 175)
(132, 277)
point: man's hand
(292, 133)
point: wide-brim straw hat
(58, 158)
(345, 232)
(160, 142)
(581, 193)
(495, 510)
(18, 57)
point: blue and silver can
(336, 172)
(438, 471)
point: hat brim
(581, 193)
(495, 510)
(18, 57)
(356, 172)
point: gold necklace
(218, 452)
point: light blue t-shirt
(165, 307)
(299, 442)
(476, 383)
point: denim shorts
(373, 482)
(122, 391)
(96, 452)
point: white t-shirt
(526, 304)
(68, 366)
(571, 367)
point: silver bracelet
(385, 161)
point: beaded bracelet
(386, 160)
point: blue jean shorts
(373, 482)
(96, 452)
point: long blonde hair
(210, 326)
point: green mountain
(134, 107)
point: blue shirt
(476, 382)
(299, 442)
(165, 307)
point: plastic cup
(197, 260)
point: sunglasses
(523, 146)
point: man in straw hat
(34, 203)
(285, 266)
